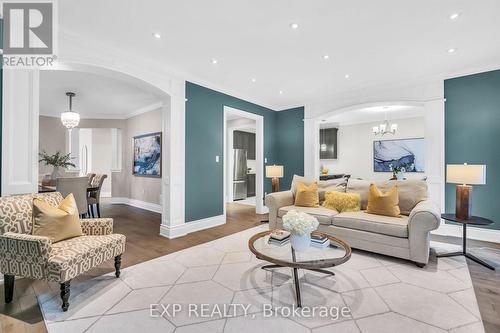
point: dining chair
(94, 197)
(77, 186)
(90, 176)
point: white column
(173, 169)
(20, 131)
(311, 148)
(434, 150)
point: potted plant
(57, 161)
(300, 225)
(398, 171)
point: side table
(474, 220)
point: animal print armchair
(36, 257)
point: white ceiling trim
(147, 108)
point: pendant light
(70, 119)
(385, 127)
(323, 146)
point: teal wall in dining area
(472, 135)
(204, 192)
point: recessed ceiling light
(347, 76)
(294, 26)
(454, 16)
(156, 35)
(254, 80)
(214, 61)
(452, 50)
(326, 57)
(281, 92)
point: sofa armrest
(24, 255)
(423, 218)
(97, 227)
(274, 202)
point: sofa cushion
(410, 192)
(57, 223)
(307, 195)
(338, 185)
(385, 225)
(323, 215)
(72, 257)
(342, 202)
(386, 204)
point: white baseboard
(188, 227)
(482, 234)
(137, 203)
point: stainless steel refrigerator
(240, 174)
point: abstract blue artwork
(147, 155)
(409, 153)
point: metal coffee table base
(296, 276)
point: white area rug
(383, 294)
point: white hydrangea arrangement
(299, 223)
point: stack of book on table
(320, 241)
(279, 237)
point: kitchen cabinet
(328, 143)
(251, 185)
(245, 140)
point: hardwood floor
(144, 243)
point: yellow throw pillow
(57, 223)
(342, 202)
(307, 195)
(383, 203)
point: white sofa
(404, 237)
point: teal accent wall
(290, 144)
(205, 140)
(472, 135)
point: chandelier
(70, 119)
(385, 127)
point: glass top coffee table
(314, 258)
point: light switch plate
(265, 159)
(217, 159)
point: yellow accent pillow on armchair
(307, 195)
(342, 202)
(57, 223)
(383, 203)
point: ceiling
(376, 43)
(96, 96)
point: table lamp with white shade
(275, 172)
(465, 175)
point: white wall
(102, 157)
(355, 148)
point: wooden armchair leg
(9, 287)
(65, 286)
(118, 264)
